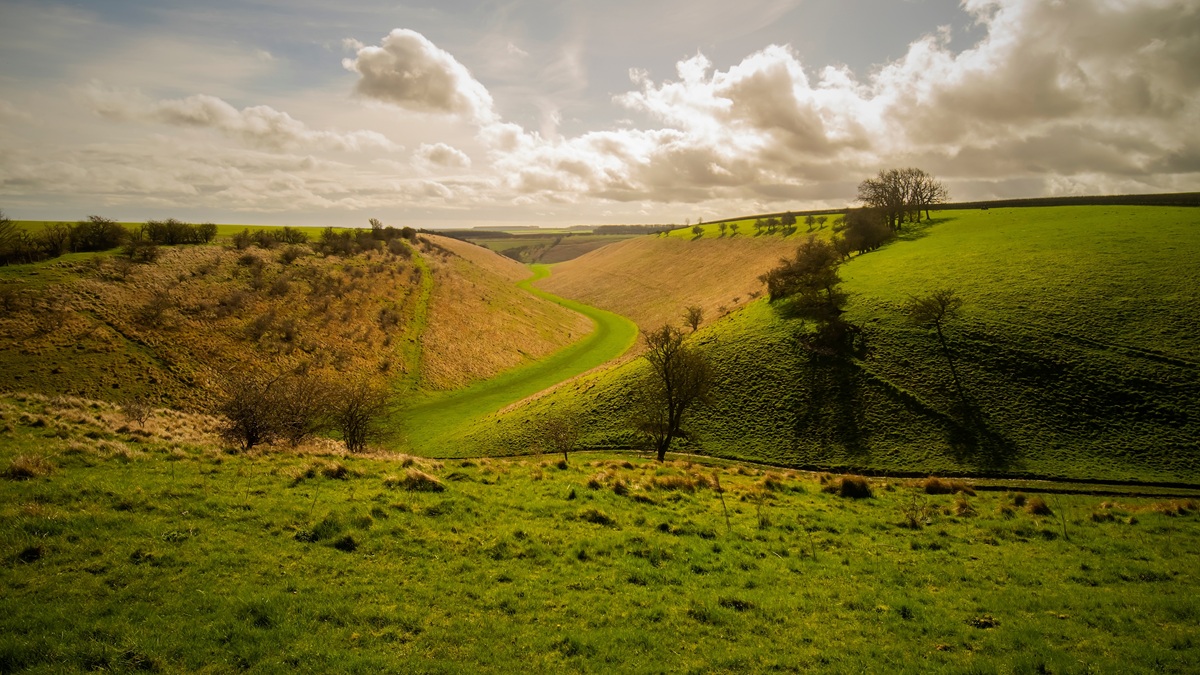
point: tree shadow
(914, 231)
(835, 410)
(974, 439)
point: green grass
(1075, 347)
(135, 552)
(431, 426)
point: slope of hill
(652, 278)
(169, 331)
(1074, 346)
(481, 323)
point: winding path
(433, 421)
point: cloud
(442, 155)
(409, 71)
(257, 126)
(1071, 94)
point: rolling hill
(1075, 345)
(431, 315)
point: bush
(97, 234)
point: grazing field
(145, 546)
(1073, 346)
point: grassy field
(146, 547)
(538, 246)
(1074, 347)
(431, 426)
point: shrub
(25, 467)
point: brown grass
(937, 486)
(1038, 507)
(26, 467)
(651, 279)
(853, 487)
(415, 480)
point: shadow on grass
(915, 231)
(834, 410)
(974, 439)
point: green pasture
(126, 551)
(430, 426)
(1074, 348)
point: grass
(142, 552)
(431, 426)
(1073, 346)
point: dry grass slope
(651, 279)
(480, 324)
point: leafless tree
(693, 316)
(933, 311)
(562, 433)
(680, 377)
(358, 409)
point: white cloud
(257, 126)
(442, 155)
(410, 71)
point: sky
(560, 112)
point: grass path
(430, 423)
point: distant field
(149, 547)
(542, 246)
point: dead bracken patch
(937, 486)
(415, 480)
(853, 487)
(26, 467)
(1038, 507)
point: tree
(866, 229)
(249, 407)
(693, 316)
(357, 411)
(810, 220)
(562, 433)
(933, 311)
(679, 378)
(97, 234)
(901, 194)
(724, 227)
(376, 228)
(735, 227)
(698, 230)
(789, 219)
(811, 278)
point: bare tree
(693, 316)
(933, 311)
(680, 377)
(902, 194)
(724, 227)
(248, 404)
(562, 433)
(357, 411)
(735, 227)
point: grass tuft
(26, 467)
(852, 487)
(1038, 507)
(936, 486)
(415, 480)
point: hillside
(147, 546)
(431, 315)
(652, 278)
(1075, 347)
